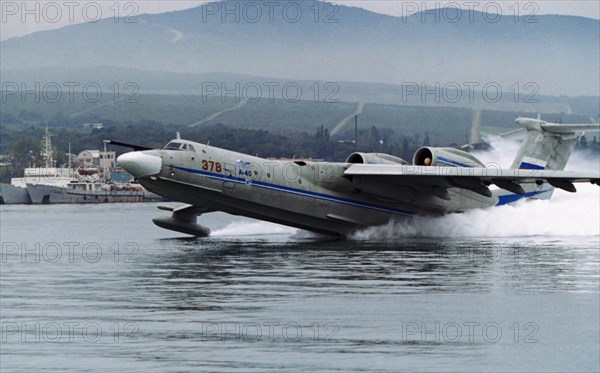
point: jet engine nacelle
(449, 157)
(374, 158)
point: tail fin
(547, 146)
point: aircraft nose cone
(139, 164)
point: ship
(96, 180)
(88, 192)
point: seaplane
(368, 189)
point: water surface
(97, 288)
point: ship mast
(104, 163)
(69, 164)
(47, 154)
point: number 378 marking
(211, 166)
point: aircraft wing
(474, 179)
(127, 145)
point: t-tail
(546, 146)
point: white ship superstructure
(91, 182)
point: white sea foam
(566, 214)
(252, 228)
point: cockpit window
(173, 145)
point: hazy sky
(23, 17)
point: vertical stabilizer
(546, 146)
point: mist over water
(565, 214)
(244, 228)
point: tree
(426, 141)
(24, 152)
(405, 149)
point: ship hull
(48, 194)
(10, 194)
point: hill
(321, 41)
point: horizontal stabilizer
(556, 128)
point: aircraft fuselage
(315, 196)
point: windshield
(173, 145)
